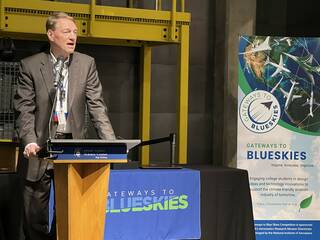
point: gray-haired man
(79, 88)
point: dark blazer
(34, 99)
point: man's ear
(50, 35)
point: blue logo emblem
(260, 111)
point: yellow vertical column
(158, 5)
(145, 101)
(173, 20)
(183, 76)
(130, 3)
(92, 17)
(182, 6)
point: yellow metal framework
(144, 28)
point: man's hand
(31, 150)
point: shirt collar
(54, 59)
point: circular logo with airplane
(259, 111)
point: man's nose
(73, 36)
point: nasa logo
(260, 111)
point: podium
(81, 170)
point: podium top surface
(130, 143)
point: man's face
(63, 38)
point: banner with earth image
(279, 133)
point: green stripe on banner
(243, 81)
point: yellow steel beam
(85, 40)
(174, 37)
(141, 15)
(145, 101)
(29, 16)
(183, 75)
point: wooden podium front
(81, 170)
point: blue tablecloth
(153, 204)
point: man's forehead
(63, 23)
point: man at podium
(54, 89)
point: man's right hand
(31, 150)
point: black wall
(288, 18)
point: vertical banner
(278, 133)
